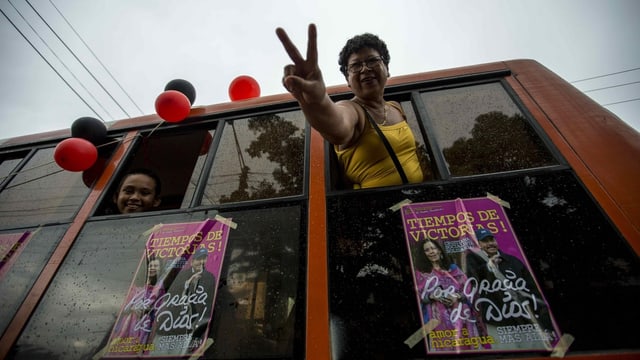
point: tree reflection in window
(498, 143)
(277, 150)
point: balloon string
(2, 178)
(13, 173)
(34, 179)
(155, 128)
(48, 163)
(25, 170)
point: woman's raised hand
(303, 78)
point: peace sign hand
(303, 78)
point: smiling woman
(372, 139)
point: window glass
(261, 305)
(481, 130)
(579, 260)
(41, 193)
(86, 294)
(258, 158)
(25, 268)
(260, 302)
(197, 171)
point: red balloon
(204, 148)
(243, 87)
(92, 174)
(173, 106)
(75, 154)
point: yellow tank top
(367, 163)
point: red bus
(316, 270)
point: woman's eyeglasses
(370, 63)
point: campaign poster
(472, 277)
(11, 246)
(170, 302)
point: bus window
(88, 290)
(176, 158)
(373, 306)
(258, 158)
(260, 300)
(260, 306)
(481, 130)
(41, 190)
(19, 275)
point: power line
(611, 87)
(50, 65)
(59, 59)
(76, 57)
(620, 102)
(600, 76)
(96, 57)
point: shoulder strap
(392, 153)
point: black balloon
(184, 87)
(90, 129)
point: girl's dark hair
(142, 171)
(423, 264)
(358, 43)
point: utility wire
(611, 87)
(76, 57)
(600, 76)
(96, 57)
(59, 59)
(620, 102)
(50, 65)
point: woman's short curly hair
(358, 43)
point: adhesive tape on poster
(34, 232)
(562, 346)
(100, 353)
(226, 221)
(397, 206)
(421, 333)
(154, 228)
(498, 201)
(200, 352)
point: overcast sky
(145, 44)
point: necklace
(385, 116)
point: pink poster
(474, 286)
(170, 302)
